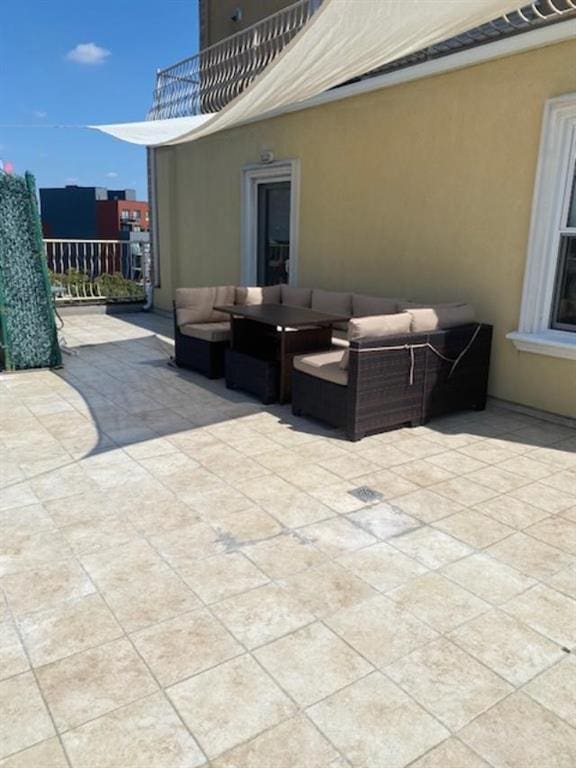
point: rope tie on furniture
(411, 347)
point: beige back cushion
(366, 306)
(196, 305)
(376, 327)
(441, 316)
(332, 302)
(248, 295)
(225, 295)
(296, 297)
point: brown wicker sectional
(400, 380)
(401, 374)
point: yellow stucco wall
(421, 190)
(216, 16)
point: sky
(80, 62)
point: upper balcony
(213, 77)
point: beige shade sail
(343, 40)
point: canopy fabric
(343, 40)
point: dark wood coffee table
(277, 332)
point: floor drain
(366, 494)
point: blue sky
(42, 83)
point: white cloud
(71, 180)
(112, 175)
(39, 114)
(88, 53)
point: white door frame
(252, 176)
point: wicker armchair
(400, 380)
(203, 355)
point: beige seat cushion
(196, 305)
(376, 327)
(296, 297)
(255, 294)
(207, 331)
(367, 306)
(440, 316)
(323, 365)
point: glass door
(273, 232)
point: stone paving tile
(262, 615)
(520, 733)
(294, 744)
(474, 528)
(189, 525)
(89, 684)
(336, 536)
(352, 719)
(182, 647)
(12, 657)
(382, 566)
(222, 576)
(557, 532)
(530, 556)
(227, 705)
(24, 720)
(431, 547)
(437, 601)
(312, 663)
(547, 611)
(555, 689)
(487, 578)
(47, 754)
(380, 630)
(448, 682)
(327, 588)
(57, 632)
(383, 520)
(426, 505)
(282, 556)
(507, 646)
(450, 754)
(544, 497)
(146, 733)
(512, 512)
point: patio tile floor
(187, 581)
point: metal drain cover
(366, 494)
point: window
(124, 213)
(564, 308)
(136, 215)
(547, 323)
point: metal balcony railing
(525, 19)
(103, 270)
(209, 80)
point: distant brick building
(93, 213)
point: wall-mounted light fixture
(236, 15)
(266, 156)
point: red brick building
(114, 217)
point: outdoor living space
(191, 578)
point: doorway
(273, 232)
(269, 222)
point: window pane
(572, 207)
(564, 316)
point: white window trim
(252, 175)
(555, 164)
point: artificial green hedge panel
(28, 334)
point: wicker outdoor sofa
(395, 362)
(394, 379)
